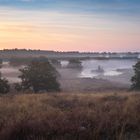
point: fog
(110, 67)
(114, 70)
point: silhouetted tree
(136, 78)
(4, 86)
(39, 75)
(75, 63)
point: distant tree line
(73, 62)
(18, 61)
(14, 61)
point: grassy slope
(70, 117)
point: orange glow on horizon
(21, 34)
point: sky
(70, 25)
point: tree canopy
(136, 78)
(39, 75)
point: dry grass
(108, 116)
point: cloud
(75, 23)
(122, 8)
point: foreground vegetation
(136, 78)
(60, 116)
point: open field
(79, 116)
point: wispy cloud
(71, 24)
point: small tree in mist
(38, 76)
(136, 78)
(75, 63)
(4, 86)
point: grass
(108, 116)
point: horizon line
(72, 51)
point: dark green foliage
(4, 86)
(39, 75)
(75, 63)
(136, 78)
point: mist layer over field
(87, 77)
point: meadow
(77, 116)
